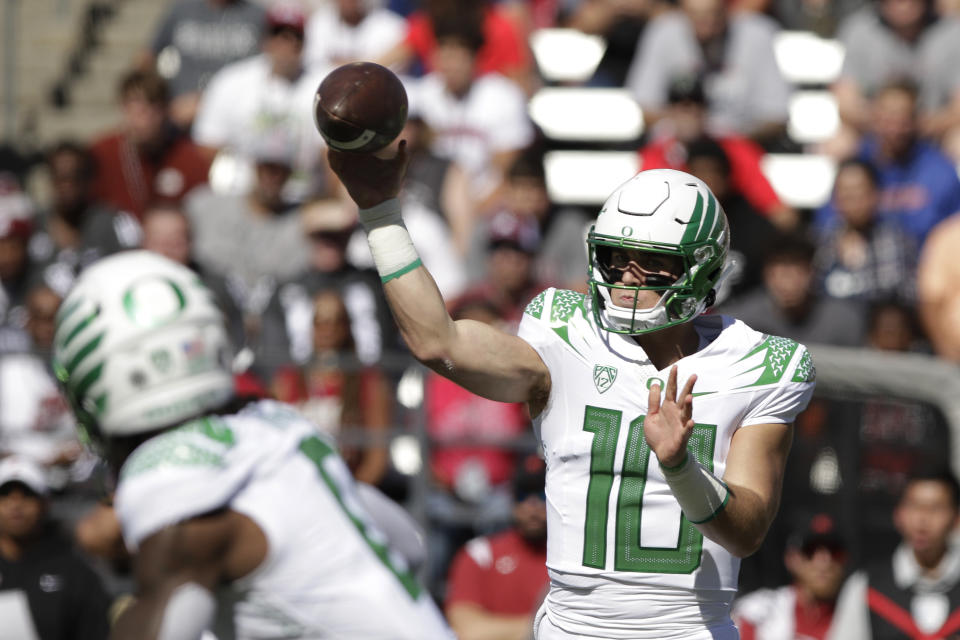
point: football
(360, 107)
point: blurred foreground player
(243, 519)
(665, 433)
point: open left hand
(668, 425)
(370, 178)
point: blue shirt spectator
(918, 183)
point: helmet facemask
(680, 301)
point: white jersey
(329, 571)
(620, 553)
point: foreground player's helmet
(140, 345)
(665, 212)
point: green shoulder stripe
(565, 304)
(805, 372)
(779, 351)
(180, 447)
(535, 306)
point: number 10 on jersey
(629, 555)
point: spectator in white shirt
(266, 92)
(479, 121)
(342, 31)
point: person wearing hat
(266, 93)
(509, 278)
(497, 582)
(47, 591)
(816, 557)
(915, 593)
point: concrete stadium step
(77, 124)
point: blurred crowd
(216, 164)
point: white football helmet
(667, 212)
(140, 345)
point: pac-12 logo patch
(604, 377)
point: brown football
(360, 107)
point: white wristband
(702, 496)
(390, 243)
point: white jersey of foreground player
(623, 560)
(329, 572)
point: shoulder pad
(777, 359)
(200, 443)
(560, 305)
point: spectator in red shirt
(817, 559)
(504, 49)
(685, 120)
(147, 160)
(497, 582)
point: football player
(243, 519)
(665, 431)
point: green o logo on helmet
(154, 301)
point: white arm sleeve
(400, 528)
(189, 613)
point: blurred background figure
(473, 451)
(822, 17)
(893, 326)
(35, 421)
(284, 332)
(684, 119)
(342, 31)
(167, 230)
(48, 592)
(508, 280)
(938, 295)
(479, 120)
(918, 183)
(745, 91)
(560, 255)
(916, 592)
(342, 396)
(147, 159)
(621, 23)
(194, 40)
(497, 582)
(16, 228)
(750, 231)
(789, 304)
(269, 95)
(816, 558)
(889, 40)
(75, 229)
(502, 48)
(862, 255)
(254, 238)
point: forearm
(471, 622)
(420, 314)
(742, 524)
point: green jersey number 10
(629, 555)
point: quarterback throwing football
(665, 431)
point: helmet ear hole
(710, 299)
